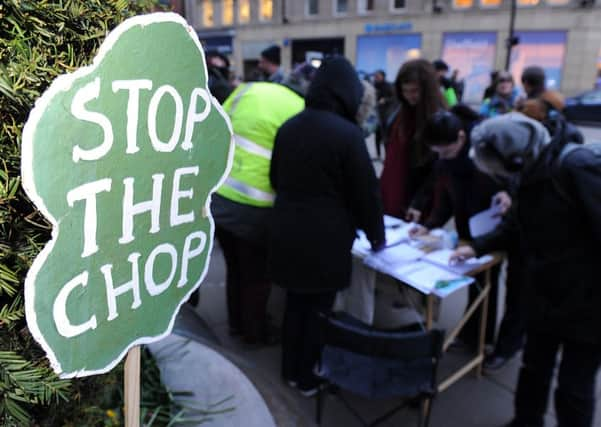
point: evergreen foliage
(39, 40)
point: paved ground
(472, 402)
(591, 133)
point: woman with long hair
(408, 164)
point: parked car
(584, 108)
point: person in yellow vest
(446, 85)
(242, 206)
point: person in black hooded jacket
(326, 189)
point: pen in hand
(461, 254)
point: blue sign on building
(386, 27)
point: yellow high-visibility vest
(257, 110)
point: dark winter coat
(218, 84)
(560, 240)
(461, 191)
(385, 99)
(325, 186)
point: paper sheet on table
(393, 257)
(391, 221)
(442, 256)
(361, 245)
(485, 221)
(394, 236)
(424, 275)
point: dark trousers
(512, 330)
(378, 141)
(575, 393)
(300, 335)
(247, 285)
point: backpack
(593, 147)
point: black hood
(336, 88)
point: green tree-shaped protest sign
(122, 157)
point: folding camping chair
(378, 364)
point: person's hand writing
(418, 230)
(462, 254)
(503, 201)
(413, 215)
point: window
(312, 7)
(538, 48)
(490, 3)
(341, 7)
(397, 4)
(462, 4)
(558, 2)
(265, 10)
(473, 55)
(207, 13)
(244, 11)
(365, 6)
(227, 13)
(528, 2)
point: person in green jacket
(242, 206)
(446, 85)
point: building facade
(563, 36)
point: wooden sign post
(122, 157)
(132, 387)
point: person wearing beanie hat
(462, 192)
(557, 221)
(300, 78)
(506, 146)
(269, 64)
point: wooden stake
(132, 387)
(460, 373)
(483, 316)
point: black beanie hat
(272, 54)
(442, 128)
(215, 53)
(440, 65)
(534, 76)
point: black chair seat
(378, 364)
